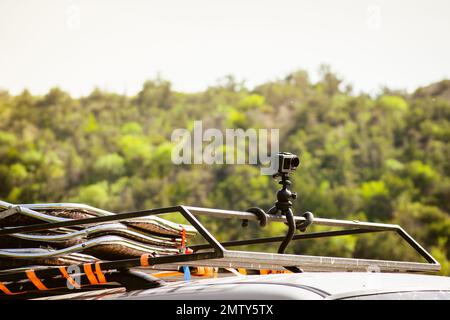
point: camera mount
(287, 163)
(283, 205)
(284, 195)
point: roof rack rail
(214, 253)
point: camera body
(287, 162)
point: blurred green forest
(381, 158)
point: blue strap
(187, 273)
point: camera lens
(295, 162)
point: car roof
(310, 285)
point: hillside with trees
(378, 158)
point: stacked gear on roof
(83, 244)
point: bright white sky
(117, 45)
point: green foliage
(134, 147)
(18, 172)
(382, 158)
(90, 125)
(110, 165)
(374, 189)
(393, 103)
(252, 101)
(236, 119)
(131, 128)
(95, 194)
(422, 175)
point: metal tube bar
(258, 260)
(230, 214)
(312, 235)
(413, 243)
(203, 231)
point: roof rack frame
(221, 257)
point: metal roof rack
(216, 254)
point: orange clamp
(35, 280)
(144, 260)
(90, 274)
(5, 289)
(99, 272)
(183, 238)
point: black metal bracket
(260, 214)
(309, 219)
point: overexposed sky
(118, 44)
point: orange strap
(268, 271)
(36, 281)
(144, 260)
(69, 278)
(210, 271)
(200, 271)
(91, 276)
(183, 238)
(204, 272)
(5, 289)
(167, 274)
(99, 272)
(242, 271)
